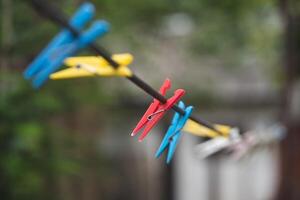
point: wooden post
(290, 148)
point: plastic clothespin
(82, 16)
(65, 44)
(89, 66)
(260, 137)
(199, 130)
(212, 146)
(156, 110)
(173, 134)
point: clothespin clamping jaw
(173, 134)
(156, 110)
(90, 66)
(65, 44)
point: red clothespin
(157, 110)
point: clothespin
(212, 146)
(200, 130)
(89, 66)
(173, 134)
(65, 44)
(240, 149)
(82, 16)
(156, 110)
(261, 137)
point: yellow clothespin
(199, 130)
(87, 66)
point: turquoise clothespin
(173, 134)
(65, 45)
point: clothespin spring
(88, 68)
(155, 113)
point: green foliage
(28, 156)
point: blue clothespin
(65, 45)
(174, 132)
(82, 16)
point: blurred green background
(238, 61)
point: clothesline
(53, 13)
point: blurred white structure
(222, 178)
